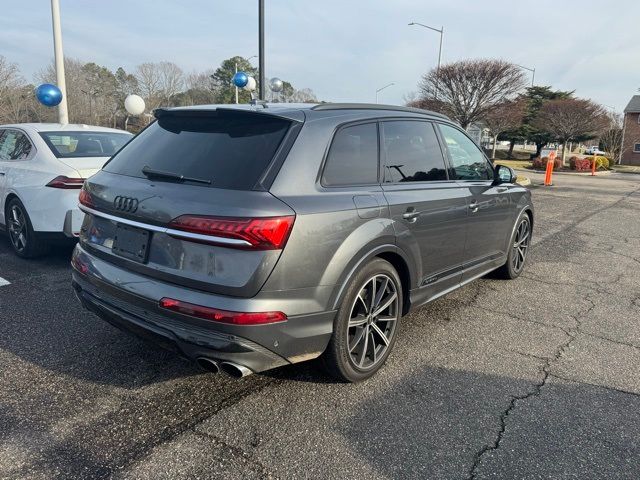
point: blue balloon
(49, 95)
(240, 79)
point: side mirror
(503, 174)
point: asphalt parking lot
(535, 378)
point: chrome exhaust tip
(234, 370)
(208, 364)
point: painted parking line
(4, 282)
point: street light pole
(261, 48)
(441, 32)
(533, 73)
(382, 88)
(63, 113)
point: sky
(345, 50)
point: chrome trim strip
(168, 231)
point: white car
(593, 150)
(42, 169)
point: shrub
(602, 163)
(538, 163)
(541, 163)
(580, 164)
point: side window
(353, 157)
(14, 145)
(412, 152)
(468, 162)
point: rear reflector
(66, 183)
(85, 198)
(267, 233)
(222, 316)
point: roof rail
(375, 106)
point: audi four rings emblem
(125, 204)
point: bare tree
(570, 118)
(149, 83)
(502, 117)
(158, 82)
(11, 91)
(611, 138)
(171, 79)
(467, 90)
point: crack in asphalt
(534, 392)
(174, 431)
(262, 469)
(611, 340)
(546, 373)
(604, 387)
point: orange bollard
(549, 172)
(593, 166)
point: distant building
(631, 133)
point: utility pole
(261, 49)
(63, 113)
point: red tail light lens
(66, 183)
(222, 316)
(268, 233)
(85, 198)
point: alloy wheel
(17, 228)
(372, 323)
(521, 245)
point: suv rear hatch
(186, 201)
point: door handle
(502, 189)
(473, 206)
(411, 215)
(1, 174)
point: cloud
(344, 50)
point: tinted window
(14, 145)
(353, 157)
(229, 150)
(412, 153)
(468, 162)
(84, 144)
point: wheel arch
(5, 207)
(388, 252)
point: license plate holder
(131, 242)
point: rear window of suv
(84, 144)
(230, 150)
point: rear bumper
(114, 294)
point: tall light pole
(382, 88)
(532, 70)
(261, 48)
(441, 32)
(253, 56)
(63, 113)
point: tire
(361, 343)
(519, 245)
(22, 238)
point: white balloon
(251, 84)
(134, 104)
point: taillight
(85, 198)
(222, 316)
(66, 183)
(267, 233)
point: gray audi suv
(250, 237)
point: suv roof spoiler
(375, 106)
(294, 115)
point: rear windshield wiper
(151, 173)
